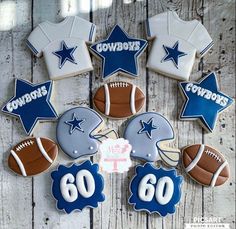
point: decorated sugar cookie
(119, 53)
(32, 156)
(205, 165)
(119, 99)
(63, 46)
(77, 186)
(203, 101)
(115, 155)
(176, 44)
(31, 103)
(148, 133)
(77, 132)
(155, 190)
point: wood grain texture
(28, 203)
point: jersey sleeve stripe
(206, 48)
(32, 48)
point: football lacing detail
(24, 144)
(211, 154)
(119, 84)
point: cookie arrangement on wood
(80, 133)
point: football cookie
(32, 156)
(115, 155)
(176, 44)
(63, 46)
(203, 101)
(155, 190)
(148, 134)
(31, 103)
(205, 165)
(119, 99)
(77, 186)
(119, 53)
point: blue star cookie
(173, 54)
(31, 103)
(147, 127)
(77, 186)
(119, 53)
(155, 189)
(65, 54)
(75, 123)
(203, 101)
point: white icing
(118, 46)
(107, 96)
(68, 190)
(145, 190)
(161, 197)
(81, 176)
(24, 144)
(118, 84)
(132, 100)
(217, 173)
(196, 159)
(213, 155)
(42, 150)
(19, 163)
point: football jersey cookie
(63, 46)
(148, 133)
(77, 186)
(32, 156)
(119, 53)
(203, 101)
(176, 44)
(205, 165)
(119, 99)
(155, 190)
(31, 103)
(76, 131)
(115, 155)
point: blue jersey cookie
(147, 133)
(77, 186)
(203, 101)
(155, 189)
(119, 53)
(31, 103)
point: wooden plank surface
(27, 203)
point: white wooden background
(27, 202)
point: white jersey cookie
(63, 46)
(176, 44)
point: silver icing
(78, 143)
(144, 147)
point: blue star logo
(119, 53)
(204, 101)
(65, 54)
(147, 127)
(75, 123)
(31, 103)
(173, 54)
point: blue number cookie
(76, 131)
(155, 189)
(147, 133)
(203, 101)
(31, 103)
(119, 53)
(77, 186)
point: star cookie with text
(203, 101)
(31, 103)
(119, 53)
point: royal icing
(115, 155)
(119, 53)
(76, 131)
(63, 46)
(155, 189)
(176, 44)
(147, 133)
(77, 186)
(31, 103)
(203, 101)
